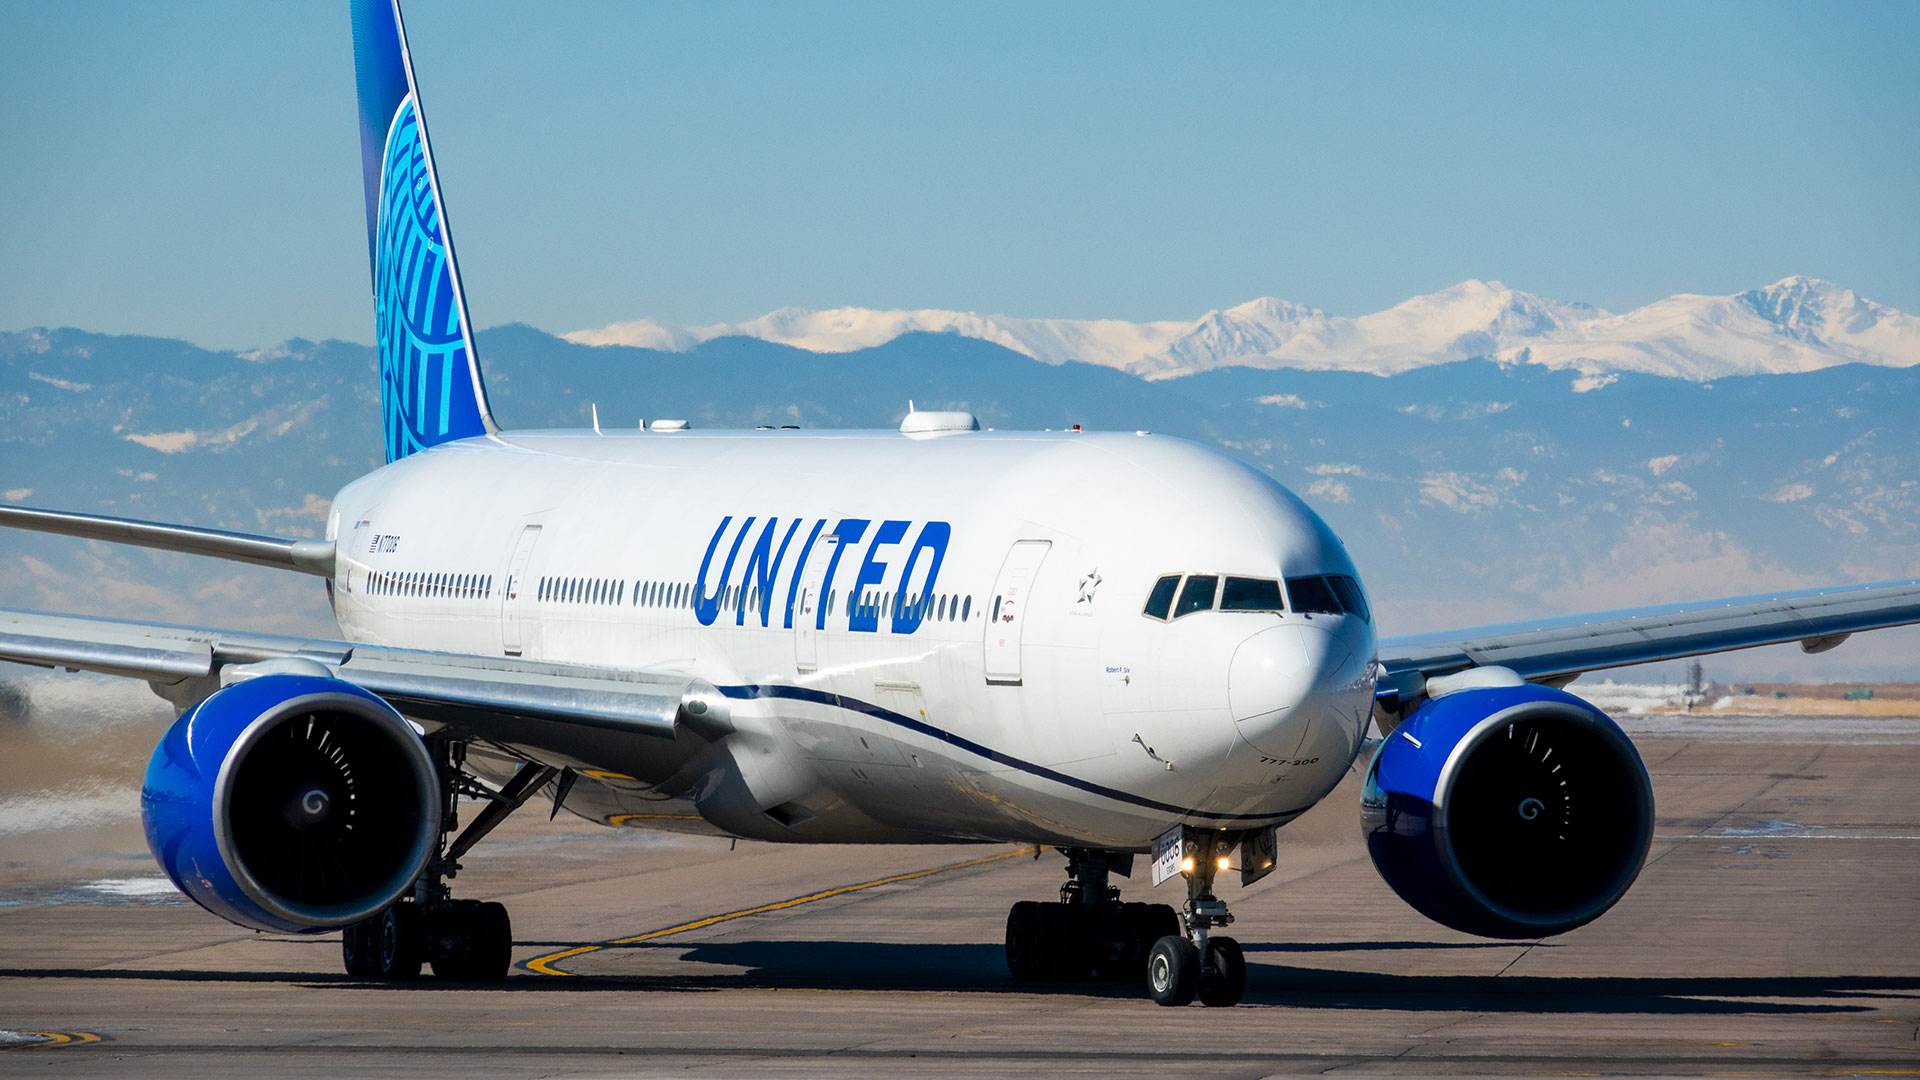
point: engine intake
(291, 803)
(1508, 812)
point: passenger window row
(936, 607)
(582, 590)
(423, 583)
(1175, 595)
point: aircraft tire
(489, 942)
(403, 942)
(360, 948)
(1173, 971)
(1025, 941)
(1224, 985)
(1072, 933)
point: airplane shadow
(981, 968)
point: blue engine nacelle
(1510, 811)
(291, 803)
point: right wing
(283, 553)
(559, 713)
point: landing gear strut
(1089, 932)
(462, 939)
(1199, 963)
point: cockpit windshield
(1251, 594)
(1197, 596)
(1175, 595)
(1313, 594)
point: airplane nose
(1271, 680)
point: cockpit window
(1348, 590)
(1313, 595)
(1197, 596)
(1251, 594)
(1160, 600)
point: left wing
(575, 712)
(1554, 651)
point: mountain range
(1794, 324)
(1479, 489)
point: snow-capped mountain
(1795, 324)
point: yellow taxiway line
(544, 965)
(55, 1038)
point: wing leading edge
(280, 552)
(570, 714)
(1555, 650)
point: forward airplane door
(512, 598)
(1008, 609)
(807, 617)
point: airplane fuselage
(919, 638)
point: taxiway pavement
(1775, 931)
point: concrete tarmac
(1775, 931)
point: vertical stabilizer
(430, 387)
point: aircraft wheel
(489, 942)
(1072, 932)
(1173, 971)
(403, 942)
(1228, 980)
(1025, 943)
(360, 948)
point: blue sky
(191, 170)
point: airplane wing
(1556, 650)
(279, 552)
(564, 712)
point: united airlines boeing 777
(1113, 644)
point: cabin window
(1160, 600)
(1313, 595)
(966, 609)
(1251, 594)
(1198, 594)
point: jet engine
(1508, 811)
(291, 803)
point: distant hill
(1795, 324)
(1469, 491)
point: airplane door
(513, 598)
(806, 605)
(1007, 610)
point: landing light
(1223, 862)
(1186, 865)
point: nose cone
(1275, 680)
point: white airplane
(1114, 644)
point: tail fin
(430, 386)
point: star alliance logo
(1087, 585)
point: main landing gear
(465, 940)
(1091, 933)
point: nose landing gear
(1199, 963)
